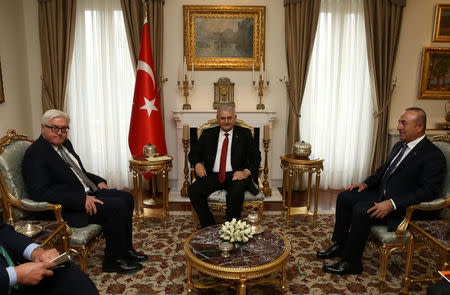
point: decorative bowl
(302, 149)
(30, 230)
(149, 150)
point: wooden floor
(326, 202)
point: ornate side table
(292, 166)
(54, 234)
(139, 165)
(262, 255)
(436, 235)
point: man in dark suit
(53, 172)
(25, 268)
(441, 287)
(225, 157)
(413, 173)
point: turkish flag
(146, 125)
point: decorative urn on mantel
(302, 149)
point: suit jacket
(418, 178)
(244, 151)
(14, 243)
(50, 179)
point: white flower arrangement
(236, 232)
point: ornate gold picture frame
(441, 31)
(218, 37)
(2, 94)
(435, 73)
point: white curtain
(336, 113)
(100, 92)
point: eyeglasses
(55, 129)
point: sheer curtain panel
(100, 91)
(337, 106)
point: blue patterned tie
(390, 170)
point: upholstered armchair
(16, 202)
(217, 200)
(388, 241)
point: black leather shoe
(121, 265)
(343, 267)
(335, 250)
(136, 256)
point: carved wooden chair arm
(434, 205)
(33, 206)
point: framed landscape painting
(2, 94)
(218, 37)
(435, 73)
(442, 23)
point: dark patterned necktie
(390, 170)
(223, 159)
(77, 170)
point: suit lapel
(411, 155)
(215, 140)
(57, 159)
(234, 142)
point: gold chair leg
(384, 255)
(194, 218)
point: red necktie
(223, 159)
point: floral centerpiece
(236, 232)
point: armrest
(260, 171)
(30, 205)
(434, 205)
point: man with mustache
(225, 157)
(413, 173)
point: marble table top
(439, 229)
(259, 250)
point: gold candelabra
(184, 190)
(266, 186)
(261, 85)
(185, 83)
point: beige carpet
(165, 271)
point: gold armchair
(388, 241)
(17, 205)
(217, 200)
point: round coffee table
(262, 255)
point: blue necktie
(390, 170)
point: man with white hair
(53, 173)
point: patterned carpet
(165, 271)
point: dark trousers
(441, 287)
(115, 215)
(353, 222)
(67, 280)
(200, 190)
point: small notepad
(161, 158)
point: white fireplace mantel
(195, 118)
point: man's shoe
(343, 267)
(136, 256)
(121, 265)
(335, 250)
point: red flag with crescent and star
(146, 125)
